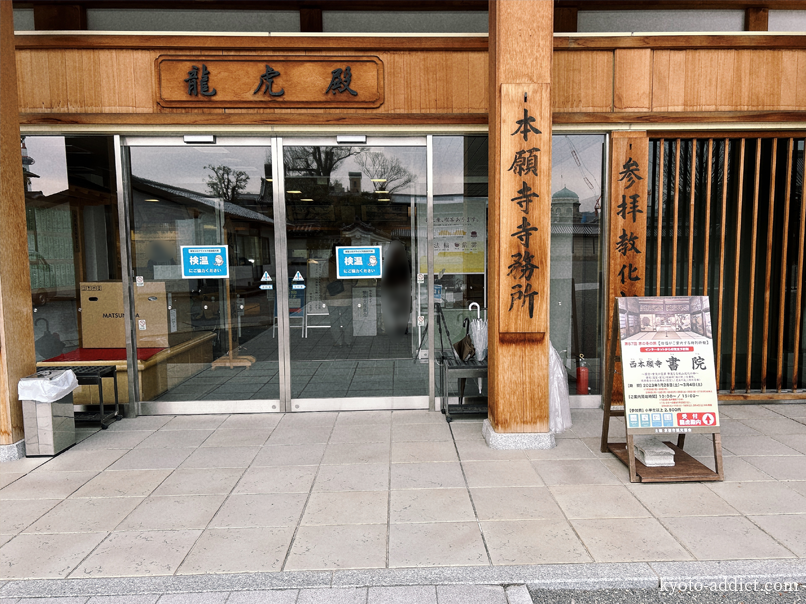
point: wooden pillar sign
(524, 211)
(629, 159)
(521, 45)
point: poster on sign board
(667, 357)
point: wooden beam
(678, 42)
(565, 20)
(720, 288)
(765, 330)
(799, 285)
(659, 201)
(345, 5)
(17, 357)
(692, 200)
(739, 397)
(425, 5)
(678, 4)
(65, 17)
(419, 118)
(756, 19)
(739, 188)
(779, 373)
(678, 117)
(751, 291)
(707, 229)
(310, 20)
(520, 125)
(201, 43)
(560, 42)
(234, 119)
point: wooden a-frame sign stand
(685, 469)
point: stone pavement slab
(415, 594)
(392, 499)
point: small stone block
(517, 440)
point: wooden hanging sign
(270, 81)
(524, 210)
(629, 160)
(669, 383)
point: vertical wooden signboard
(629, 159)
(524, 210)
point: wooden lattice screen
(726, 218)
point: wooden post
(629, 173)
(756, 18)
(50, 17)
(17, 357)
(520, 198)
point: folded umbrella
(478, 333)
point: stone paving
(197, 495)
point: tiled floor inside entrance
(367, 367)
(169, 495)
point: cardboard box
(151, 315)
(102, 321)
(102, 315)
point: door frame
(284, 403)
(125, 209)
(355, 403)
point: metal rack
(452, 368)
(93, 376)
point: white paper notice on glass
(667, 357)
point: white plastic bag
(559, 403)
(47, 386)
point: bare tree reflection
(387, 172)
(226, 183)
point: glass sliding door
(72, 222)
(576, 260)
(356, 322)
(205, 275)
(460, 244)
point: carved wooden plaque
(629, 172)
(270, 81)
(524, 209)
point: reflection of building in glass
(574, 280)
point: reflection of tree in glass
(388, 171)
(316, 161)
(315, 165)
(226, 183)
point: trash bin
(47, 411)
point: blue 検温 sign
(205, 262)
(359, 262)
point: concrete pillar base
(517, 440)
(12, 452)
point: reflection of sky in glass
(51, 163)
(412, 159)
(449, 165)
(184, 167)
